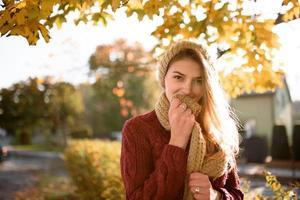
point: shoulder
(142, 121)
(138, 129)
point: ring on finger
(197, 190)
(183, 107)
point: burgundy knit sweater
(154, 170)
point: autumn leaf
(135, 4)
(232, 29)
(60, 19)
(115, 4)
(44, 32)
(20, 17)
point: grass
(39, 147)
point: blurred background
(72, 73)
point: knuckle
(195, 175)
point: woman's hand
(181, 121)
(201, 188)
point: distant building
(296, 112)
(260, 112)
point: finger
(198, 175)
(175, 103)
(189, 111)
(192, 117)
(183, 107)
(198, 196)
(196, 189)
(199, 183)
(199, 189)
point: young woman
(186, 147)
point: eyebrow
(184, 74)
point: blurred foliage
(17, 103)
(82, 131)
(37, 105)
(38, 147)
(94, 167)
(95, 174)
(280, 192)
(48, 187)
(29, 193)
(237, 31)
(66, 108)
(125, 86)
(248, 193)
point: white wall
(258, 108)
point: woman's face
(184, 77)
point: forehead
(186, 66)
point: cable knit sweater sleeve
(231, 189)
(143, 177)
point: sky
(66, 55)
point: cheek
(200, 92)
(169, 92)
(171, 88)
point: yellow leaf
(115, 4)
(47, 5)
(20, 17)
(33, 13)
(31, 34)
(152, 7)
(135, 4)
(21, 5)
(59, 20)
(4, 29)
(8, 3)
(44, 32)
(5, 18)
(16, 31)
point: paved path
(21, 171)
(12, 181)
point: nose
(188, 88)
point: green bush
(81, 132)
(94, 168)
(23, 137)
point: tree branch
(280, 20)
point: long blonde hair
(217, 119)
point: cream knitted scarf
(213, 165)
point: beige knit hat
(173, 51)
